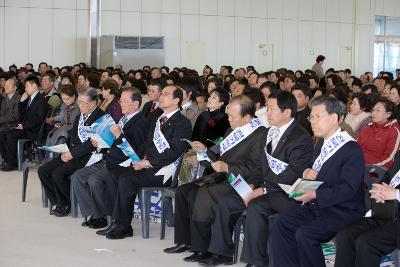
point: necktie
(123, 121)
(29, 102)
(153, 107)
(82, 134)
(163, 120)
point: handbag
(211, 178)
(387, 211)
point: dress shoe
(88, 222)
(8, 167)
(177, 249)
(62, 212)
(197, 256)
(108, 229)
(215, 260)
(98, 223)
(120, 232)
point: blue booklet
(100, 132)
(128, 151)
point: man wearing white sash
(241, 152)
(289, 151)
(157, 167)
(365, 242)
(296, 236)
(54, 175)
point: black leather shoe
(8, 168)
(195, 257)
(215, 260)
(88, 222)
(108, 229)
(177, 249)
(98, 223)
(53, 211)
(120, 232)
(63, 212)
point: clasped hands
(382, 192)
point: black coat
(150, 116)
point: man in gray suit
(9, 106)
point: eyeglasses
(165, 94)
(81, 103)
(124, 102)
(316, 117)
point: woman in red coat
(380, 140)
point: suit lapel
(93, 117)
(131, 121)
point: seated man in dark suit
(241, 152)
(151, 110)
(55, 174)
(364, 242)
(296, 235)
(96, 185)
(163, 149)
(32, 109)
(292, 146)
(9, 106)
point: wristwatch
(264, 190)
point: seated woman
(110, 103)
(360, 112)
(380, 140)
(364, 242)
(210, 127)
(64, 120)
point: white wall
(226, 31)
(54, 31)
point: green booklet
(240, 185)
(301, 184)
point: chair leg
(109, 220)
(74, 202)
(166, 211)
(20, 153)
(236, 237)
(45, 200)
(25, 173)
(145, 198)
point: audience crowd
(268, 127)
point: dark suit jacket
(340, 198)
(79, 150)
(150, 116)
(296, 149)
(174, 129)
(32, 117)
(247, 158)
(135, 132)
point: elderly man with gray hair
(54, 175)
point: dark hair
(43, 63)
(304, 88)
(357, 82)
(389, 107)
(247, 106)
(160, 83)
(139, 84)
(371, 87)
(272, 87)
(189, 85)
(120, 75)
(111, 85)
(177, 93)
(33, 79)
(165, 68)
(223, 95)
(68, 90)
(320, 58)
(332, 105)
(136, 94)
(51, 76)
(366, 102)
(340, 93)
(285, 100)
(347, 71)
(255, 95)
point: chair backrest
(373, 174)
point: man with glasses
(159, 161)
(151, 109)
(54, 175)
(297, 235)
(96, 185)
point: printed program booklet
(200, 155)
(301, 184)
(62, 148)
(240, 185)
(100, 132)
(128, 151)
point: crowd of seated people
(268, 127)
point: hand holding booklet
(100, 131)
(200, 155)
(301, 184)
(240, 186)
(128, 151)
(62, 148)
